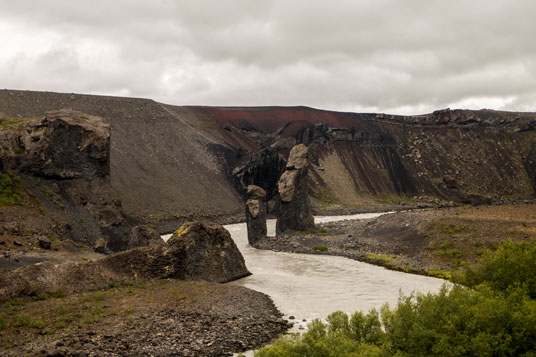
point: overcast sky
(392, 56)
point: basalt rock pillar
(295, 208)
(256, 213)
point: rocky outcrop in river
(255, 213)
(295, 210)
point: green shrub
(40, 296)
(511, 265)
(320, 248)
(454, 322)
(8, 188)
(22, 320)
(451, 229)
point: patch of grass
(8, 189)
(112, 284)
(451, 229)
(438, 273)
(22, 320)
(320, 248)
(81, 246)
(60, 294)
(4, 122)
(98, 296)
(28, 231)
(382, 257)
(53, 196)
(40, 296)
(446, 252)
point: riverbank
(161, 318)
(431, 242)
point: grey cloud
(383, 55)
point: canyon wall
(169, 163)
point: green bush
(511, 265)
(8, 186)
(320, 248)
(455, 322)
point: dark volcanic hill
(177, 161)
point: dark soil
(166, 318)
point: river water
(312, 286)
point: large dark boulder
(255, 213)
(295, 208)
(64, 144)
(194, 252)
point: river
(312, 286)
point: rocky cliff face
(170, 163)
(64, 144)
(63, 159)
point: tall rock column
(295, 208)
(256, 213)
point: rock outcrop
(63, 160)
(64, 144)
(194, 252)
(142, 236)
(255, 213)
(260, 168)
(295, 208)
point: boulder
(44, 242)
(142, 236)
(64, 144)
(295, 209)
(255, 213)
(194, 252)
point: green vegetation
(8, 189)
(495, 317)
(29, 231)
(451, 229)
(40, 296)
(52, 196)
(4, 122)
(320, 248)
(510, 266)
(381, 257)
